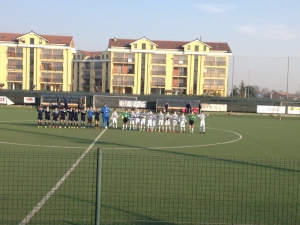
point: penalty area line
(59, 183)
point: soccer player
(83, 114)
(63, 114)
(167, 122)
(76, 118)
(202, 121)
(40, 116)
(192, 118)
(154, 118)
(90, 116)
(160, 118)
(132, 120)
(105, 116)
(125, 117)
(143, 116)
(97, 118)
(71, 117)
(182, 121)
(175, 122)
(55, 115)
(137, 119)
(114, 118)
(47, 117)
(149, 122)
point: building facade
(36, 62)
(146, 66)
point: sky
(264, 35)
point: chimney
(115, 39)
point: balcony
(215, 75)
(86, 68)
(123, 83)
(213, 87)
(156, 84)
(158, 61)
(14, 55)
(86, 76)
(159, 73)
(98, 76)
(51, 80)
(181, 85)
(85, 85)
(181, 74)
(97, 67)
(14, 78)
(14, 67)
(180, 62)
(123, 60)
(213, 63)
(129, 71)
(50, 56)
(51, 68)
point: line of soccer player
(159, 122)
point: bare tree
(265, 90)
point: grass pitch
(244, 170)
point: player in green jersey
(125, 117)
(192, 118)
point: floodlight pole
(248, 83)
(232, 83)
(287, 80)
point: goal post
(113, 101)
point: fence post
(98, 187)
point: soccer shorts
(97, 119)
(149, 123)
(175, 122)
(132, 122)
(125, 120)
(40, 118)
(137, 121)
(82, 119)
(182, 124)
(71, 118)
(160, 122)
(90, 120)
(143, 121)
(167, 122)
(153, 123)
(114, 120)
(191, 122)
(62, 118)
(48, 118)
(55, 119)
(76, 119)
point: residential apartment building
(34, 61)
(91, 71)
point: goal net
(115, 101)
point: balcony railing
(98, 76)
(124, 71)
(181, 74)
(86, 68)
(158, 61)
(162, 72)
(124, 60)
(215, 75)
(14, 55)
(14, 78)
(52, 68)
(213, 87)
(98, 67)
(50, 56)
(180, 62)
(123, 83)
(85, 85)
(179, 85)
(51, 80)
(214, 63)
(86, 76)
(155, 84)
(14, 67)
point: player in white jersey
(143, 116)
(114, 118)
(132, 120)
(149, 122)
(182, 121)
(168, 122)
(175, 121)
(137, 119)
(160, 118)
(202, 121)
(154, 118)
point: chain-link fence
(41, 187)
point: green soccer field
(243, 170)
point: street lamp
(248, 83)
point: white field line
(44, 146)
(188, 146)
(59, 183)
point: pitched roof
(91, 54)
(53, 39)
(166, 44)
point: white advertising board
(293, 110)
(271, 109)
(29, 99)
(214, 107)
(132, 104)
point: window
(82, 56)
(135, 45)
(143, 46)
(196, 48)
(151, 46)
(102, 56)
(204, 48)
(107, 56)
(189, 47)
(40, 41)
(130, 69)
(32, 41)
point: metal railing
(14, 67)
(155, 72)
(14, 55)
(97, 67)
(158, 61)
(155, 84)
(180, 62)
(214, 63)
(51, 68)
(213, 87)
(51, 56)
(51, 80)
(123, 60)
(14, 78)
(217, 75)
(123, 83)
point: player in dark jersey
(76, 118)
(83, 114)
(47, 117)
(192, 118)
(55, 115)
(40, 116)
(63, 115)
(97, 118)
(125, 117)
(71, 117)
